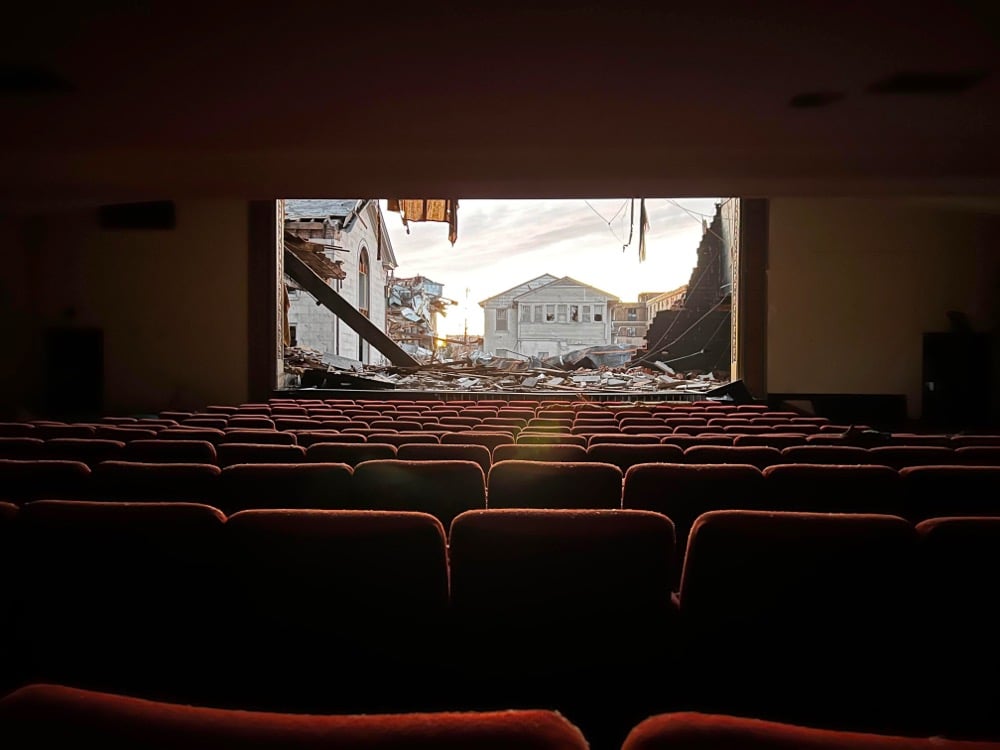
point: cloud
(502, 243)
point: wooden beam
(332, 301)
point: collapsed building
(694, 336)
(414, 304)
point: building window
(550, 313)
(525, 313)
(542, 355)
(364, 289)
(560, 313)
(631, 314)
(501, 319)
(292, 338)
(586, 314)
(574, 313)
(538, 314)
(598, 313)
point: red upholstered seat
(437, 452)
(349, 453)
(831, 488)
(565, 609)
(335, 610)
(624, 455)
(819, 602)
(139, 481)
(308, 485)
(441, 488)
(53, 716)
(760, 456)
(541, 451)
(701, 731)
(170, 451)
(259, 453)
(118, 595)
(554, 484)
(24, 480)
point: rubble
(413, 303)
(499, 375)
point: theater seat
(554, 484)
(50, 716)
(701, 731)
(309, 485)
(441, 488)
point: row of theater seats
(485, 448)
(445, 488)
(844, 621)
(56, 716)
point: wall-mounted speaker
(146, 215)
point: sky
(503, 243)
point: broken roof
(313, 256)
(527, 286)
(298, 208)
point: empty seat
(977, 455)
(403, 438)
(437, 452)
(49, 431)
(535, 439)
(960, 564)
(295, 423)
(960, 441)
(310, 437)
(22, 448)
(308, 485)
(118, 596)
(271, 437)
(685, 491)
(540, 452)
(208, 434)
(210, 423)
(622, 438)
(335, 611)
(258, 453)
(775, 439)
(933, 491)
(18, 429)
(56, 716)
(489, 439)
(830, 488)
(817, 601)
(825, 454)
(685, 730)
(25, 480)
(760, 456)
(139, 481)
(244, 423)
(123, 433)
(554, 484)
(567, 609)
(170, 451)
(441, 488)
(624, 455)
(349, 453)
(90, 451)
(900, 456)
(686, 441)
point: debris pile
(486, 373)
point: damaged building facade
(694, 331)
(546, 317)
(351, 235)
(413, 309)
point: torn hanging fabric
(427, 210)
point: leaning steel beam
(347, 312)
